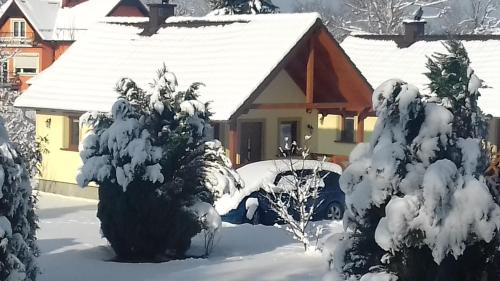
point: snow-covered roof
(380, 60)
(53, 22)
(262, 174)
(231, 55)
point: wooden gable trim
(310, 40)
(281, 65)
(307, 105)
(139, 4)
(367, 87)
(310, 72)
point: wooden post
(233, 140)
(360, 132)
(310, 75)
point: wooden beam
(325, 105)
(232, 142)
(310, 73)
(360, 132)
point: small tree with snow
(231, 7)
(154, 168)
(294, 198)
(18, 221)
(418, 207)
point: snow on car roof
(261, 174)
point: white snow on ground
(72, 249)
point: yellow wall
(59, 164)
(324, 134)
(329, 134)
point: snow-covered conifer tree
(152, 163)
(18, 221)
(21, 127)
(418, 206)
(230, 7)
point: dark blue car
(256, 208)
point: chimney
(414, 31)
(158, 13)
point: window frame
(71, 145)
(22, 72)
(343, 133)
(21, 22)
(297, 122)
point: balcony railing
(10, 39)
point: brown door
(250, 142)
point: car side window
(332, 181)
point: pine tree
(152, 163)
(418, 206)
(18, 221)
(456, 85)
(230, 7)
(21, 127)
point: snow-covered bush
(294, 198)
(230, 7)
(18, 221)
(210, 222)
(152, 163)
(418, 207)
(22, 133)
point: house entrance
(250, 142)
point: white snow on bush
(5, 227)
(251, 205)
(392, 229)
(451, 207)
(207, 214)
(380, 276)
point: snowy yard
(72, 249)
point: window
(73, 133)
(288, 131)
(347, 132)
(26, 64)
(18, 28)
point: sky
(285, 5)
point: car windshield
(290, 180)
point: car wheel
(335, 211)
(256, 217)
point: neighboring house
(39, 31)
(382, 57)
(267, 77)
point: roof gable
(51, 21)
(40, 14)
(232, 55)
(382, 59)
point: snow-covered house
(267, 77)
(382, 57)
(41, 30)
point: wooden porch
(328, 79)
